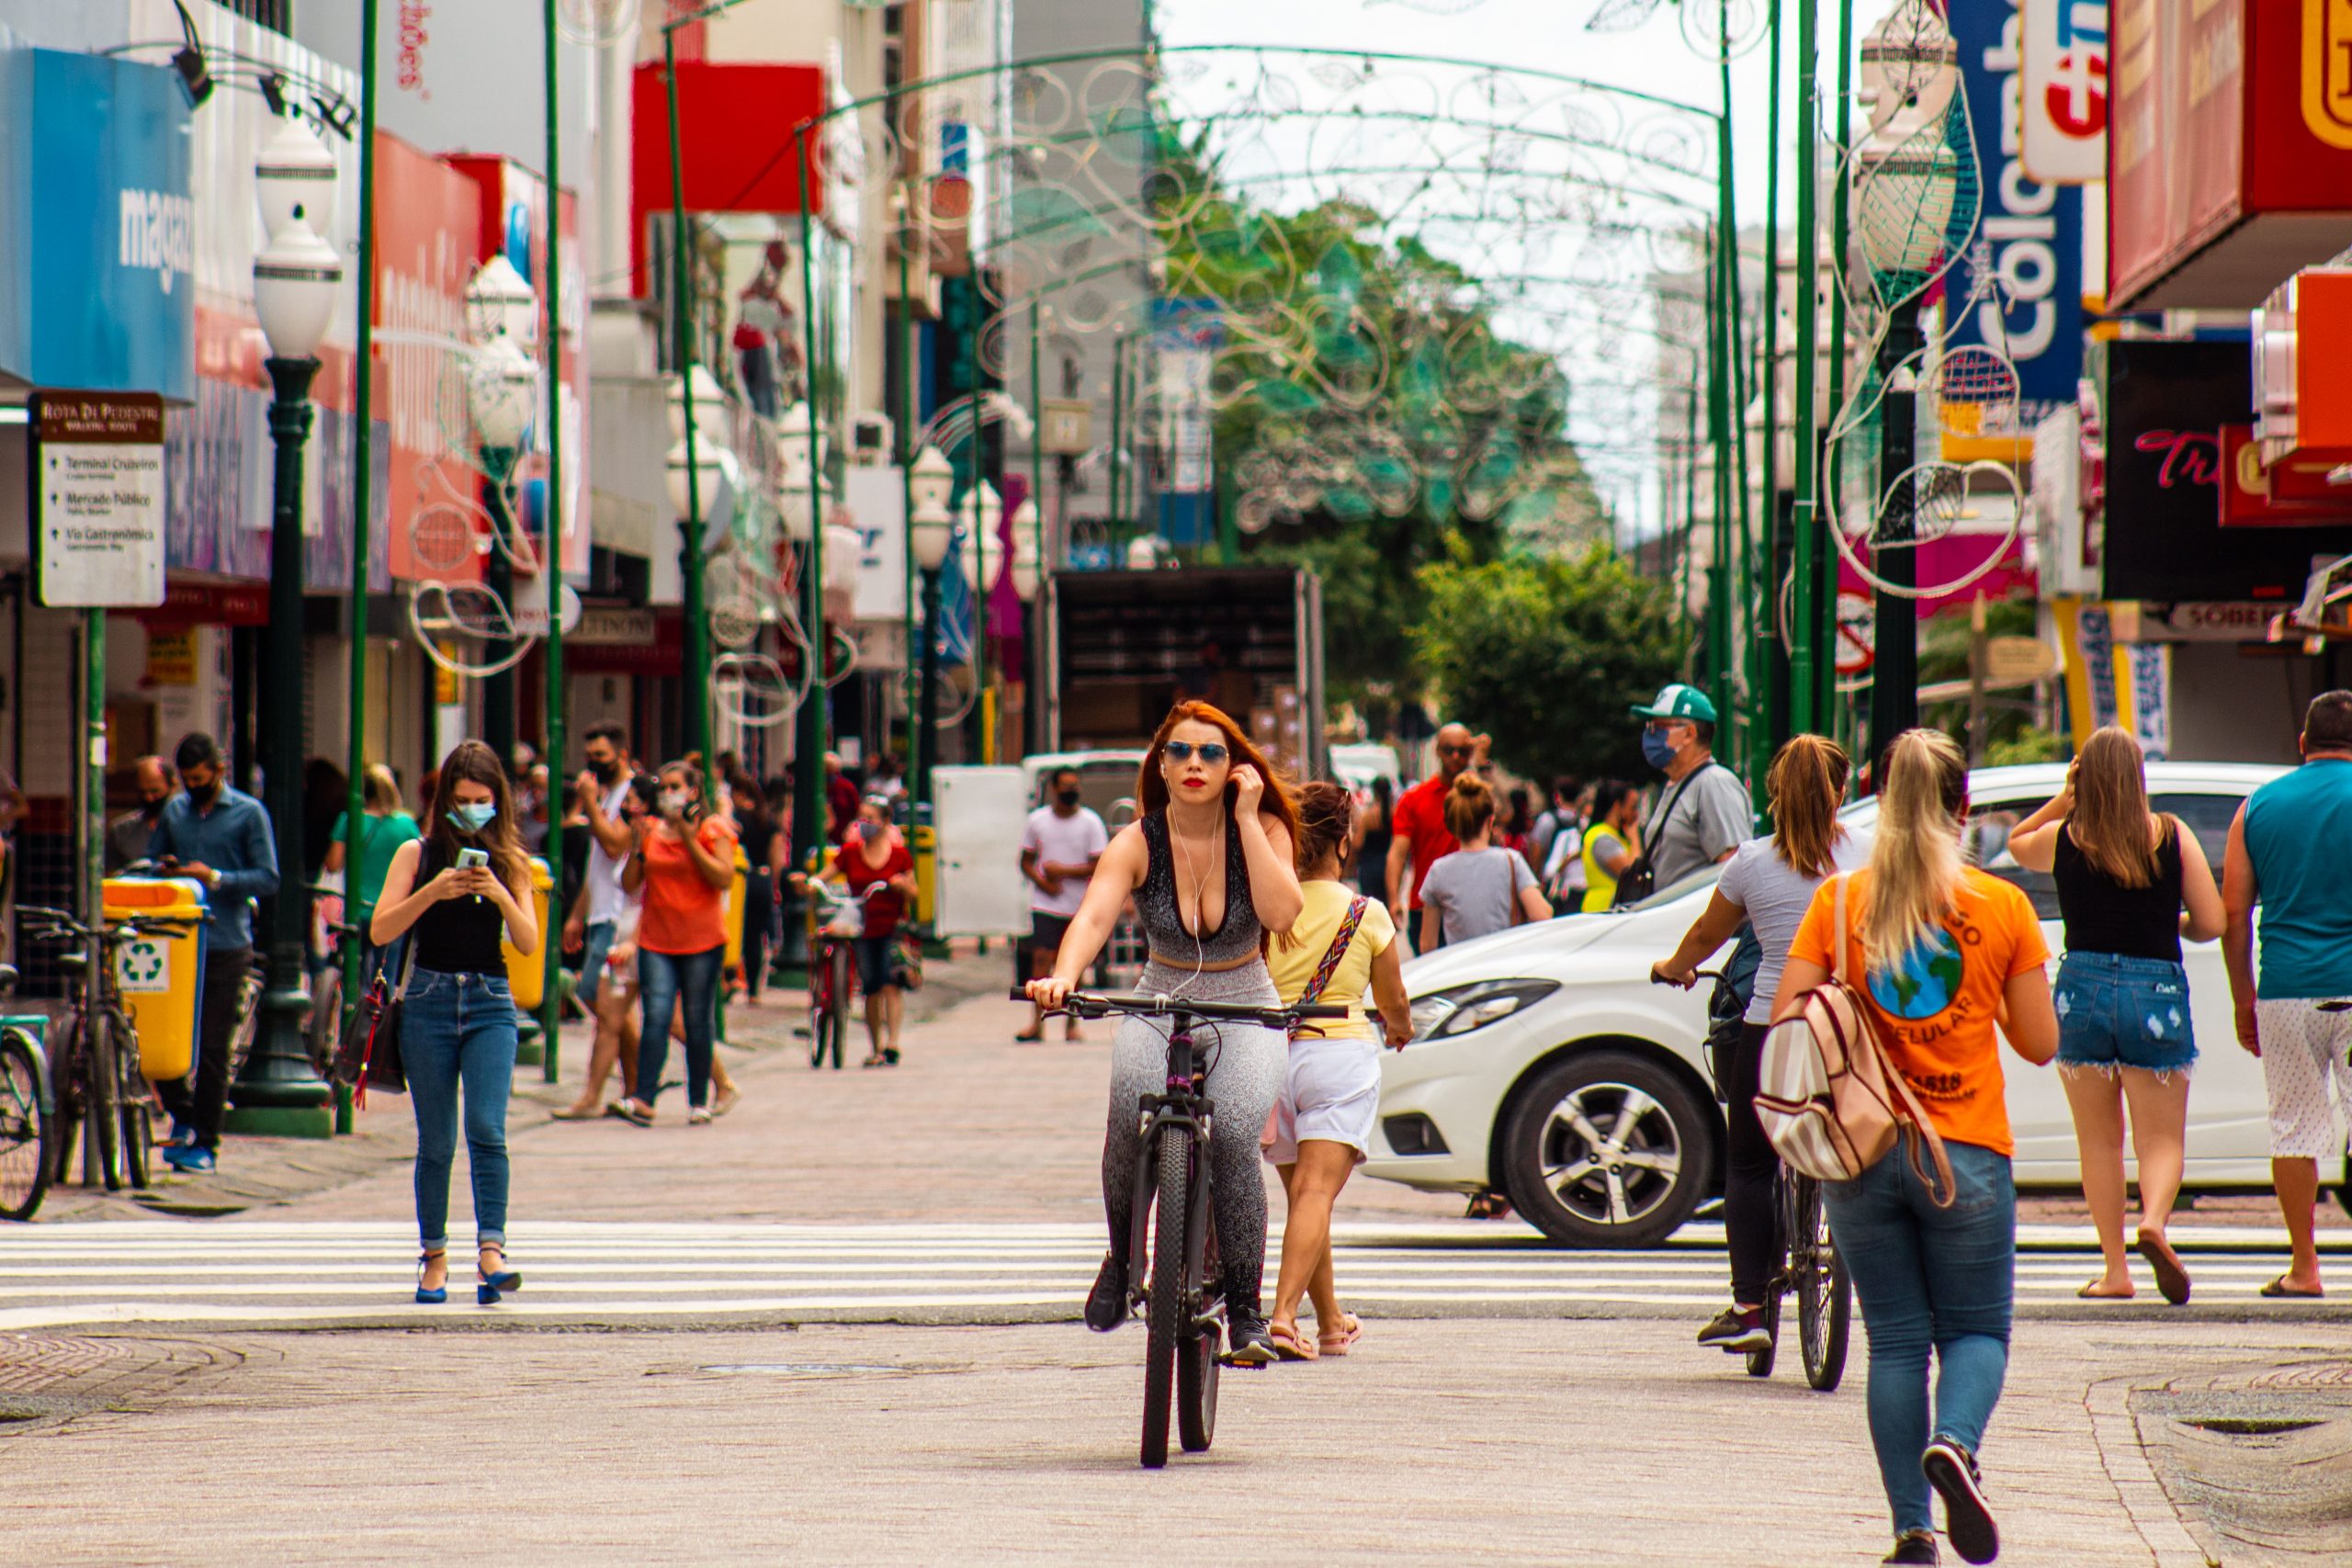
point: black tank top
(457, 936)
(2102, 915)
(1158, 908)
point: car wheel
(1608, 1149)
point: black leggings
(758, 920)
(1751, 1219)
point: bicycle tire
(1825, 1294)
(248, 1029)
(135, 1103)
(65, 1094)
(26, 1130)
(1197, 1350)
(106, 1127)
(819, 1004)
(324, 1025)
(843, 988)
(1167, 1307)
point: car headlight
(1458, 1009)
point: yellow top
(1600, 889)
(1293, 965)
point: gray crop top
(1163, 923)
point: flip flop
(569, 1114)
(2172, 1280)
(2091, 1293)
(1337, 1341)
(624, 1111)
(2276, 1290)
(1029, 1039)
(1290, 1343)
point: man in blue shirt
(2290, 849)
(222, 838)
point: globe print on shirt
(1925, 982)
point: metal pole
(1894, 667)
(1719, 661)
(908, 359)
(1741, 677)
(696, 683)
(277, 1092)
(1807, 712)
(91, 770)
(1032, 707)
(808, 744)
(1118, 392)
(1767, 604)
(551, 564)
(1825, 624)
(497, 575)
(982, 527)
(363, 517)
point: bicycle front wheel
(105, 1132)
(1167, 1307)
(325, 1025)
(844, 977)
(25, 1131)
(1825, 1294)
(135, 1100)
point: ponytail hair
(1469, 806)
(1915, 857)
(1325, 812)
(1807, 783)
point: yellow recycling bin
(926, 854)
(528, 976)
(736, 897)
(159, 975)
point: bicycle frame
(1181, 1104)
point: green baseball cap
(1678, 701)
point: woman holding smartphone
(683, 863)
(455, 893)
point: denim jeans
(459, 1029)
(664, 979)
(1929, 1278)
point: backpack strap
(1925, 1144)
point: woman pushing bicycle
(1209, 867)
(1770, 884)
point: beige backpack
(1828, 1094)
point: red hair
(1280, 799)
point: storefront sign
(617, 627)
(97, 498)
(735, 133)
(208, 604)
(877, 498)
(2063, 97)
(2210, 620)
(171, 659)
(2087, 637)
(2148, 667)
(428, 233)
(2018, 288)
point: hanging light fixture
(499, 303)
(932, 526)
(502, 393)
(710, 406)
(296, 176)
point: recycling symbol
(142, 965)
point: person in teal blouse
(383, 829)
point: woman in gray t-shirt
(1479, 888)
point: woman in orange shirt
(683, 862)
(1942, 953)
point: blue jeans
(664, 978)
(1929, 1278)
(2117, 1012)
(459, 1029)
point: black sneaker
(1737, 1331)
(1253, 1344)
(1968, 1518)
(1919, 1547)
(1106, 1303)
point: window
(1986, 845)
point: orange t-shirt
(682, 912)
(1937, 1007)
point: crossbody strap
(1337, 952)
(1650, 829)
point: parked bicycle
(836, 918)
(1172, 1258)
(323, 1030)
(97, 1086)
(26, 1108)
(1806, 1258)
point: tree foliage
(1546, 654)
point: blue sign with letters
(2018, 287)
(102, 241)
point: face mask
(673, 800)
(1067, 797)
(605, 772)
(869, 831)
(1657, 749)
(151, 810)
(472, 818)
(206, 796)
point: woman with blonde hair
(1481, 888)
(1768, 884)
(2125, 875)
(1208, 863)
(1942, 953)
(384, 826)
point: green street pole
(1806, 710)
(1826, 590)
(907, 360)
(551, 565)
(1032, 705)
(1768, 479)
(809, 743)
(1740, 665)
(1719, 662)
(696, 685)
(363, 510)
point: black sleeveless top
(457, 936)
(2102, 915)
(1157, 907)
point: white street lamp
(1027, 568)
(296, 176)
(499, 303)
(933, 481)
(297, 278)
(503, 393)
(710, 407)
(704, 476)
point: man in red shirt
(1418, 821)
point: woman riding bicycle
(1768, 883)
(1208, 864)
(874, 864)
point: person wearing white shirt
(1058, 848)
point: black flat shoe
(1106, 1303)
(1968, 1518)
(1912, 1550)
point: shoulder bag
(1830, 1098)
(368, 1056)
(1639, 880)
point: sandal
(630, 1111)
(876, 1060)
(2091, 1293)
(1029, 1037)
(2277, 1289)
(574, 1113)
(1336, 1341)
(2172, 1280)
(1289, 1345)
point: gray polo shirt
(1711, 816)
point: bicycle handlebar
(1104, 1004)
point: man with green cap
(1704, 814)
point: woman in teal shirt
(384, 828)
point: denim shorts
(2115, 1012)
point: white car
(1547, 1066)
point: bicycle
(1804, 1256)
(836, 918)
(1171, 1241)
(25, 1109)
(94, 1068)
(323, 1030)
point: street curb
(2171, 1540)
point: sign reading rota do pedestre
(97, 494)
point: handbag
(1830, 1098)
(368, 1056)
(1639, 880)
(906, 959)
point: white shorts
(2304, 1041)
(1330, 1090)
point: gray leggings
(1245, 1074)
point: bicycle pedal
(1227, 1360)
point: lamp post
(500, 313)
(931, 529)
(1026, 572)
(296, 280)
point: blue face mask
(1658, 749)
(474, 818)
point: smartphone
(469, 859)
